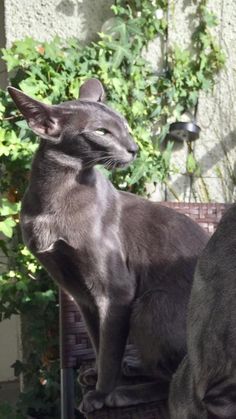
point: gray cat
(204, 386)
(127, 262)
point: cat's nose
(133, 149)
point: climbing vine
(53, 72)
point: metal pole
(67, 394)
(67, 374)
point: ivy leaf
(137, 173)
(138, 108)
(22, 124)
(11, 60)
(139, 169)
(210, 19)
(192, 165)
(206, 84)
(7, 226)
(9, 208)
(193, 97)
(116, 28)
(28, 88)
(120, 52)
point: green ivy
(8, 411)
(53, 72)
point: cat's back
(214, 289)
(215, 277)
(155, 225)
(212, 311)
(219, 256)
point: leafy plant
(53, 72)
(7, 411)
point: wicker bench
(75, 347)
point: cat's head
(84, 129)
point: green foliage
(192, 166)
(7, 411)
(53, 72)
(26, 289)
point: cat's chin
(121, 165)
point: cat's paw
(117, 398)
(93, 400)
(88, 377)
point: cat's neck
(53, 179)
(54, 167)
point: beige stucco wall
(215, 150)
(9, 347)
(43, 19)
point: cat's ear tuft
(44, 120)
(92, 90)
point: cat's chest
(65, 219)
(86, 265)
(73, 214)
(40, 233)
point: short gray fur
(127, 262)
(204, 386)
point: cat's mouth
(123, 161)
(109, 161)
(121, 165)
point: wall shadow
(92, 14)
(226, 145)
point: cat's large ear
(92, 90)
(45, 120)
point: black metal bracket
(184, 131)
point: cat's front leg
(114, 330)
(88, 377)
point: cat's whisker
(110, 164)
(109, 160)
(93, 158)
(95, 161)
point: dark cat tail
(220, 400)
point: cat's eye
(101, 131)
